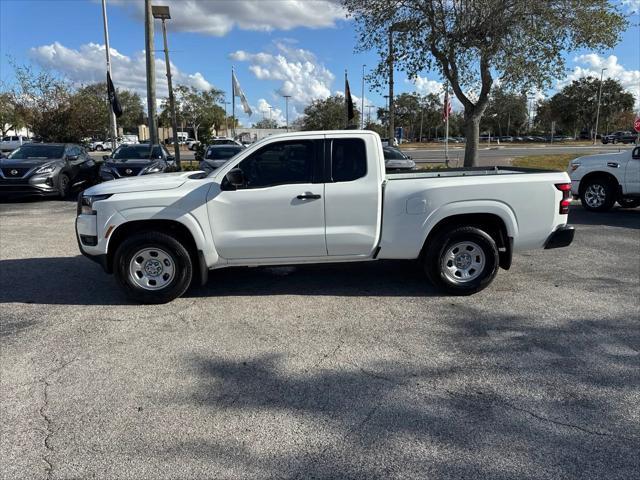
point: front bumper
(37, 185)
(561, 237)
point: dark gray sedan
(46, 169)
(218, 155)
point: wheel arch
(491, 223)
(611, 178)
(175, 228)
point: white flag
(237, 92)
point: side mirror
(171, 158)
(636, 153)
(234, 179)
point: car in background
(130, 139)
(224, 141)
(192, 143)
(217, 155)
(620, 137)
(396, 161)
(134, 160)
(602, 180)
(12, 142)
(46, 169)
(102, 145)
(385, 142)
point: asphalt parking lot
(348, 371)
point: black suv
(620, 137)
(46, 169)
(139, 159)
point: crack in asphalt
(47, 419)
(496, 401)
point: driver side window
(281, 163)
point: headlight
(574, 166)
(85, 203)
(152, 169)
(46, 169)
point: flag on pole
(237, 92)
(348, 100)
(446, 110)
(113, 98)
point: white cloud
(88, 65)
(633, 6)
(265, 110)
(300, 74)
(218, 18)
(591, 64)
(424, 86)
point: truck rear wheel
(462, 261)
(153, 267)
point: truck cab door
(279, 210)
(632, 173)
(353, 193)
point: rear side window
(348, 159)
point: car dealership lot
(325, 371)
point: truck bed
(464, 172)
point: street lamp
(161, 12)
(595, 134)
(395, 27)
(286, 102)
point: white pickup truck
(602, 180)
(318, 197)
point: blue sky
(278, 47)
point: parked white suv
(10, 143)
(319, 197)
(602, 180)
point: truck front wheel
(597, 194)
(153, 267)
(462, 260)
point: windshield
(27, 152)
(138, 152)
(393, 154)
(222, 153)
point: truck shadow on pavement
(507, 394)
(77, 281)
(618, 217)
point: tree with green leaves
(506, 113)
(473, 43)
(266, 123)
(327, 114)
(198, 109)
(11, 118)
(574, 108)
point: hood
(30, 163)
(143, 183)
(603, 158)
(131, 163)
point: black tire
(443, 242)
(598, 188)
(99, 148)
(181, 260)
(64, 186)
(615, 140)
(629, 202)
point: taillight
(565, 188)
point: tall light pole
(395, 27)
(113, 128)
(595, 134)
(151, 72)
(286, 102)
(162, 13)
(362, 101)
(226, 118)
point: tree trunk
(195, 132)
(472, 134)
